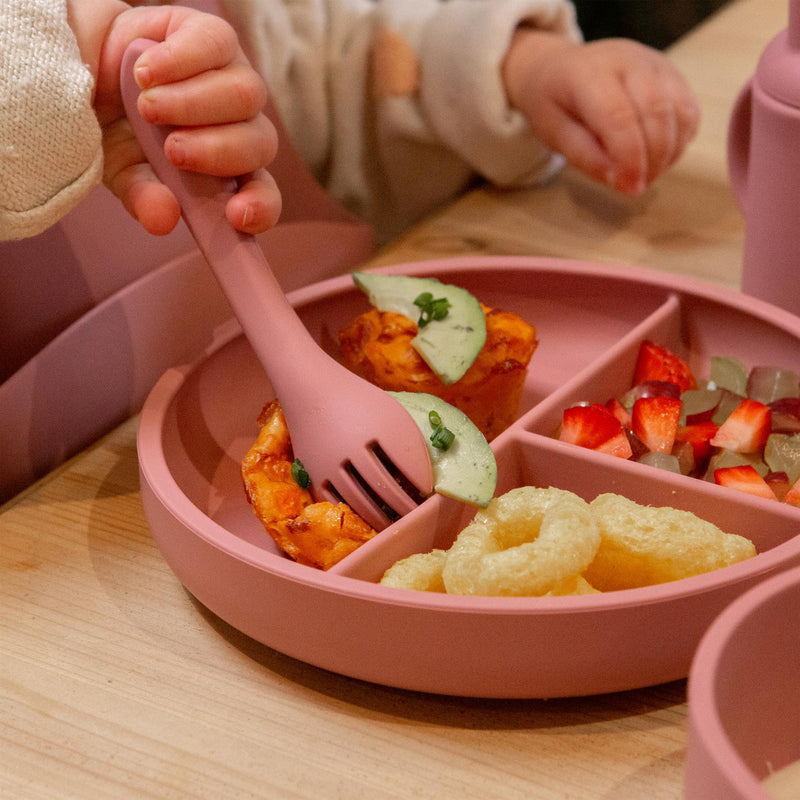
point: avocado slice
(467, 470)
(449, 345)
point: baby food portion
(453, 341)
(535, 541)
(320, 534)
(450, 349)
(316, 534)
(739, 428)
(456, 349)
(422, 338)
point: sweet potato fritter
(316, 534)
(377, 346)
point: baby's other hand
(198, 80)
(615, 109)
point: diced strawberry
(619, 411)
(655, 421)
(618, 445)
(744, 478)
(657, 363)
(699, 435)
(792, 497)
(746, 429)
(595, 428)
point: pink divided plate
(199, 421)
(744, 695)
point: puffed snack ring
(530, 541)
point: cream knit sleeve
(449, 118)
(50, 141)
(398, 104)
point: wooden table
(117, 684)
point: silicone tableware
(351, 437)
(744, 696)
(590, 319)
(763, 138)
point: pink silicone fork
(344, 430)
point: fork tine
(349, 492)
(372, 490)
(383, 483)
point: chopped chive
(434, 419)
(431, 308)
(442, 438)
(301, 477)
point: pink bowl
(744, 694)
(590, 318)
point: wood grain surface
(116, 684)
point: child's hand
(615, 109)
(196, 79)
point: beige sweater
(396, 105)
(50, 142)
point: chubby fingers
(228, 94)
(188, 43)
(128, 175)
(617, 110)
(216, 112)
(641, 112)
(593, 124)
(668, 115)
(257, 205)
(254, 208)
(195, 79)
(605, 109)
(224, 150)
(198, 76)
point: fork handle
(236, 259)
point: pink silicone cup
(336, 419)
(744, 694)
(589, 318)
(764, 170)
